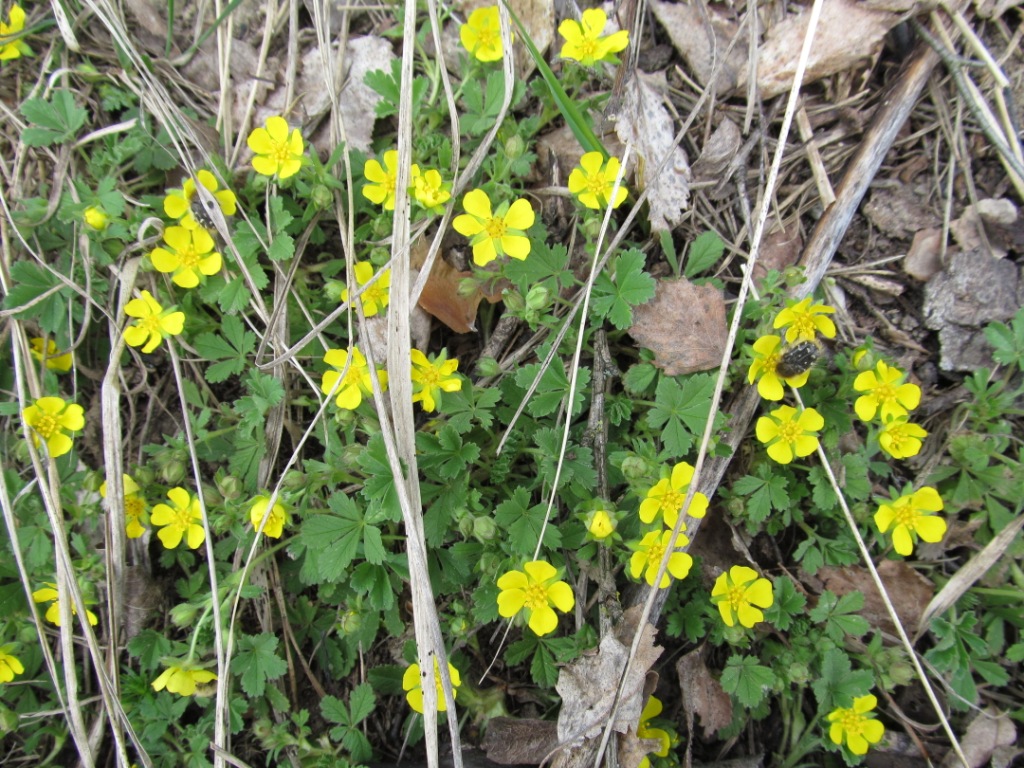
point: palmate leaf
(256, 661)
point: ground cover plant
(389, 381)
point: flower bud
(184, 615)
(173, 471)
(230, 487)
(513, 300)
(294, 480)
(591, 228)
(466, 527)
(95, 217)
(321, 197)
(484, 529)
(538, 297)
(600, 524)
(488, 367)
(514, 147)
(350, 623)
(636, 468)
(8, 720)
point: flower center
(789, 431)
(182, 518)
(588, 49)
(487, 37)
(672, 501)
(279, 152)
(654, 554)
(598, 185)
(189, 258)
(495, 228)
(151, 324)
(536, 596)
(133, 507)
(906, 515)
(851, 722)
(884, 393)
(46, 426)
(375, 295)
(735, 596)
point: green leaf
(523, 523)
(747, 680)
(1007, 341)
(639, 378)
(244, 461)
(837, 685)
(336, 537)
(361, 702)
(681, 412)
(445, 453)
(552, 389)
(471, 404)
(615, 297)
(30, 282)
(232, 350)
(149, 647)
(379, 486)
(765, 492)
(545, 262)
(372, 580)
(577, 467)
(334, 710)
(53, 122)
(839, 615)
(234, 297)
(256, 661)
(543, 669)
(704, 253)
(788, 603)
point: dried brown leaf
(684, 326)
(515, 741)
(908, 590)
(702, 694)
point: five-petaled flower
(278, 150)
(901, 438)
(12, 46)
(357, 381)
(535, 588)
(646, 559)
(501, 233)
(50, 418)
(412, 684)
(645, 730)
(188, 254)
(152, 323)
(429, 189)
(856, 725)
(182, 680)
(803, 321)
(432, 377)
(481, 34)
(10, 665)
(764, 368)
(183, 519)
(375, 298)
(55, 359)
(885, 396)
(910, 516)
(789, 433)
(275, 520)
(584, 41)
(134, 506)
(383, 180)
(668, 494)
(600, 524)
(178, 203)
(740, 593)
(593, 181)
(49, 594)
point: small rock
(924, 259)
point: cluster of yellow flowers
(350, 379)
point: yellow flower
(593, 181)
(535, 588)
(600, 524)
(909, 516)
(649, 552)
(901, 438)
(181, 203)
(789, 434)
(429, 189)
(740, 593)
(856, 725)
(277, 151)
(885, 395)
(412, 685)
(502, 233)
(134, 506)
(357, 381)
(382, 189)
(764, 368)
(481, 34)
(375, 298)
(95, 217)
(644, 730)
(49, 594)
(275, 521)
(182, 680)
(189, 255)
(803, 322)
(12, 46)
(55, 361)
(152, 324)
(49, 418)
(184, 519)
(432, 377)
(584, 41)
(10, 666)
(668, 494)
